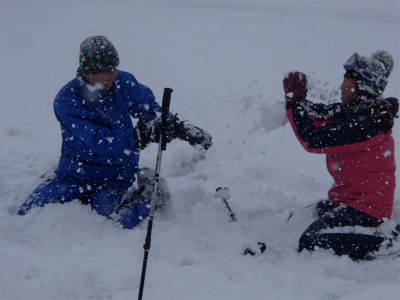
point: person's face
(103, 79)
(348, 91)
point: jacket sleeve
(86, 137)
(353, 130)
(322, 112)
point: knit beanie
(370, 73)
(97, 55)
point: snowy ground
(225, 61)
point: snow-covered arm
(353, 131)
(322, 112)
(140, 100)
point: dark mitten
(146, 133)
(295, 86)
(193, 135)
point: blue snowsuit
(99, 155)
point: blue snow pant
(325, 232)
(104, 199)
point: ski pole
(161, 146)
(224, 194)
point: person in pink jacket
(356, 136)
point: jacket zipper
(339, 169)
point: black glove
(295, 86)
(146, 133)
(192, 134)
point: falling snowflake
(387, 153)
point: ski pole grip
(164, 115)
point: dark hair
(384, 111)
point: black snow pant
(335, 229)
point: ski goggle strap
(352, 62)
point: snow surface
(225, 61)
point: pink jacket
(359, 156)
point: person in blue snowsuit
(100, 145)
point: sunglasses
(353, 76)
